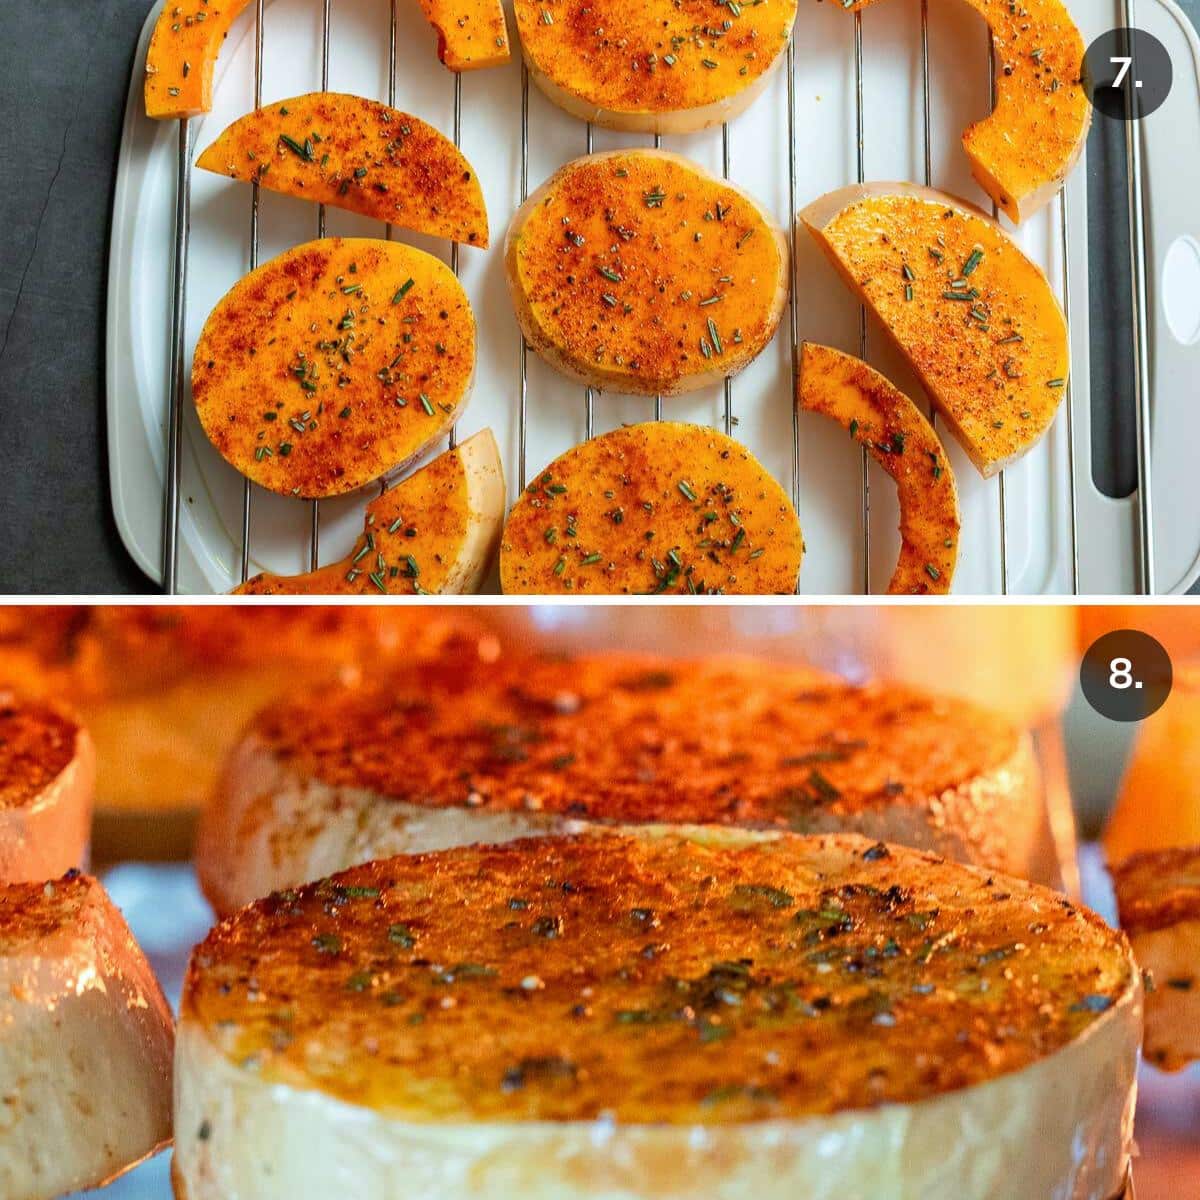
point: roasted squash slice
(433, 533)
(1023, 151)
(679, 1014)
(359, 155)
(638, 271)
(334, 363)
(187, 39)
(670, 66)
(975, 318)
(899, 438)
(656, 508)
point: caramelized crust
(629, 739)
(333, 364)
(38, 741)
(661, 507)
(359, 155)
(637, 271)
(652, 979)
(1158, 888)
(632, 66)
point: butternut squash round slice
(662, 507)
(1024, 150)
(976, 318)
(898, 437)
(334, 363)
(670, 66)
(187, 39)
(433, 533)
(359, 155)
(638, 271)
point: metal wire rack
(1137, 232)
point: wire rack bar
(1141, 359)
(1002, 491)
(860, 147)
(254, 198)
(183, 223)
(1068, 397)
(793, 316)
(523, 352)
(728, 379)
(453, 244)
(589, 393)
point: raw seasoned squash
(669, 66)
(334, 363)
(653, 508)
(975, 318)
(359, 155)
(899, 438)
(659, 1016)
(638, 271)
(435, 532)
(1158, 895)
(472, 34)
(188, 36)
(1023, 151)
(183, 51)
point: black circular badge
(1126, 675)
(1127, 73)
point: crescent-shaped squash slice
(1023, 151)
(638, 271)
(898, 437)
(360, 155)
(661, 507)
(187, 39)
(472, 34)
(975, 318)
(334, 363)
(670, 66)
(433, 533)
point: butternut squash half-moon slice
(662, 507)
(188, 36)
(359, 155)
(333, 364)
(898, 437)
(669, 66)
(433, 533)
(1024, 150)
(638, 271)
(976, 318)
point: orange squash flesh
(472, 34)
(671, 66)
(182, 54)
(359, 155)
(433, 533)
(899, 438)
(334, 363)
(661, 507)
(1023, 151)
(637, 271)
(188, 36)
(976, 318)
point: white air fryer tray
(1039, 537)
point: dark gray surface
(64, 73)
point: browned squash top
(1158, 888)
(627, 738)
(31, 912)
(653, 980)
(334, 363)
(37, 743)
(641, 270)
(663, 57)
